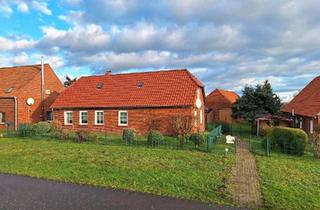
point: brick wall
(7, 106)
(225, 115)
(217, 102)
(33, 113)
(142, 120)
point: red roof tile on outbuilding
(231, 96)
(159, 89)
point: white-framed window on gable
(68, 117)
(123, 118)
(195, 116)
(2, 117)
(99, 117)
(83, 117)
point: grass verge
(289, 182)
(177, 173)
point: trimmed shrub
(155, 138)
(25, 130)
(41, 128)
(63, 134)
(56, 126)
(197, 139)
(129, 135)
(288, 140)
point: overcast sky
(226, 44)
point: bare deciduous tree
(182, 126)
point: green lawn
(289, 182)
(177, 173)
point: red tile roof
(16, 78)
(231, 96)
(160, 89)
(307, 102)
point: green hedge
(129, 136)
(288, 140)
(155, 138)
(197, 139)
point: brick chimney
(108, 73)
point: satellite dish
(198, 103)
(30, 101)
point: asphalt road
(19, 192)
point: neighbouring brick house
(142, 101)
(219, 106)
(17, 84)
(304, 109)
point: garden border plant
(287, 140)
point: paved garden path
(245, 179)
(19, 192)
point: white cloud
(73, 17)
(20, 59)
(80, 38)
(41, 7)
(11, 45)
(23, 7)
(73, 2)
(146, 59)
(227, 44)
(5, 8)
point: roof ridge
(194, 79)
(130, 73)
(213, 92)
(31, 65)
(148, 72)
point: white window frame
(201, 117)
(80, 117)
(2, 119)
(66, 118)
(311, 126)
(96, 117)
(195, 117)
(119, 118)
(301, 123)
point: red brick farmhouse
(17, 85)
(304, 109)
(219, 104)
(142, 101)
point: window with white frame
(83, 117)
(311, 126)
(195, 116)
(68, 117)
(123, 118)
(99, 118)
(201, 117)
(2, 118)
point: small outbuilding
(219, 106)
(266, 122)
